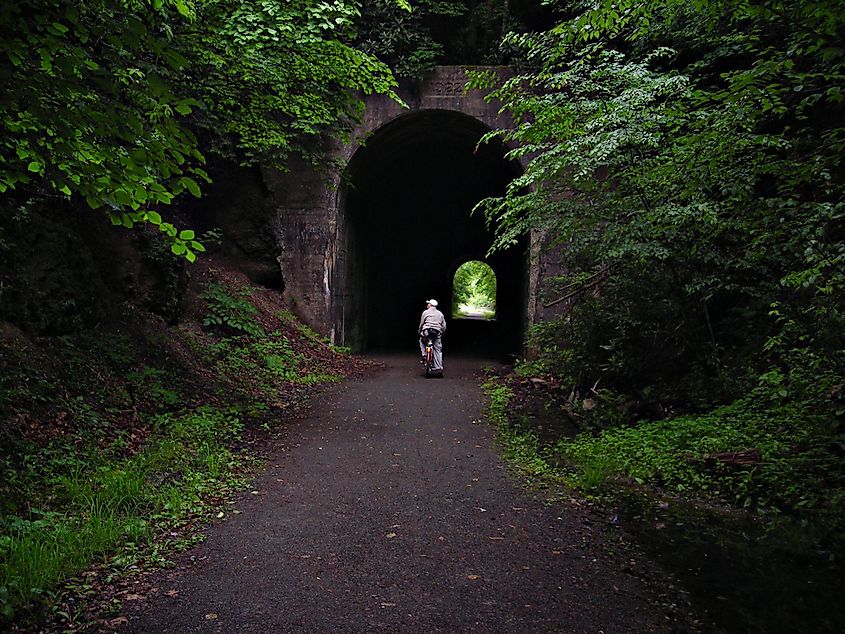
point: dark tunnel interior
(407, 227)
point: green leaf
(191, 185)
(178, 248)
(186, 234)
(183, 8)
(104, 91)
(123, 197)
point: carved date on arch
(448, 87)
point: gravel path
(388, 509)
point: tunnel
(406, 226)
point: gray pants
(437, 352)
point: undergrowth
(774, 457)
(519, 442)
(269, 359)
(794, 472)
(111, 444)
(102, 506)
(229, 311)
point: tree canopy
(443, 32)
(684, 161)
(688, 157)
(117, 103)
(474, 290)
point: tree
(107, 102)
(689, 157)
(474, 285)
(437, 32)
(401, 38)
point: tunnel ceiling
(408, 226)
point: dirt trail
(388, 510)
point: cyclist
(433, 323)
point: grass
(519, 442)
(766, 559)
(109, 508)
(111, 454)
(676, 455)
(269, 360)
(796, 481)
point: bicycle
(429, 337)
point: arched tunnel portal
(406, 226)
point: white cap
(433, 302)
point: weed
(102, 507)
(212, 238)
(518, 440)
(116, 349)
(310, 333)
(231, 314)
(149, 381)
(268, 360)
(285, 316)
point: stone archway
(332, 273)
(405, 223)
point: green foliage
(399, 36)
(518, 440)
(231, 314)
(474, 287)
(268, 360)
(413, 37)
(105, 101)
(685, 159)
(104, 453)
(311, 334)
(89, 112)
(688, 156)
(151, 382)
(797, 474)
(101, 507)
(276, 77)
(500, 396)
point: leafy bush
(149, 382)
(794, 468)
(681, 159)
(231, 314)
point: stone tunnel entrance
(405, 227)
